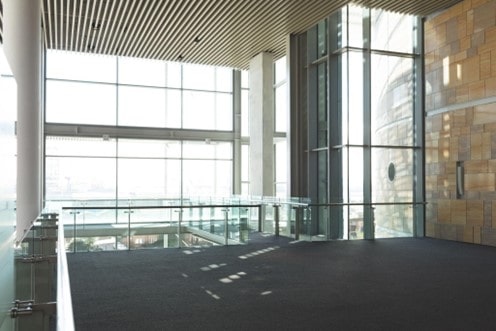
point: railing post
(75, 213)
(276, 220)
(179, 227)
(260, 210)
(226, 225)
(129, 212)
(298, 211)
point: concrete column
(22, 45)
(262, 125)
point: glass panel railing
(43, 300)
(7, 280)
(157, 224)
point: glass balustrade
(98, 225)
(128, 224)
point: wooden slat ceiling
(215, 32)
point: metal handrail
(339, 204)
(65, 317)
(161, 207)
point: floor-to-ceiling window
(130, 128)
(280, 127)
(364, 127)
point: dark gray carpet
(392, 284)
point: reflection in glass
(392, 100)
(392, 221)
(401, 188)
(392, 31)
(355, 222)
(322, 105)
(81, 103)
(322, 38)
(141, 106)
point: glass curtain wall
(366, 137)
(130, 128)
(280, 129)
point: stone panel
(458, 212)
(475, 212)
(480, 182)
(461, 44)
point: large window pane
(80, 146)
(281, 108)
(223, 79)
(81, 66)
(149, 148)
(245, 79)
(207, 110)
(392, 31)
(322, 105)
(173, 109)
(355, 101)
(174, 75)
(141, 71)
(392, 100)
(199, 110)
(356, 183)
(281, 161)
(158, 179)
(207, 150)
(281, 168)
(245, 162)
(80, 178)
(207, 178)
(198, 77)
(245, 129)
(80, 103)
(355, 26)
(280, 70)
(392, 175)
(322, 38)
(393, 221)
(141, 106)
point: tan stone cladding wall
(460, 67)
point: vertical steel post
(276, 220)
(297, 222)
(226, 226)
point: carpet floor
(275, 284)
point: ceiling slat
(229, 32)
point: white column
(22, 45)
(262, 125)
